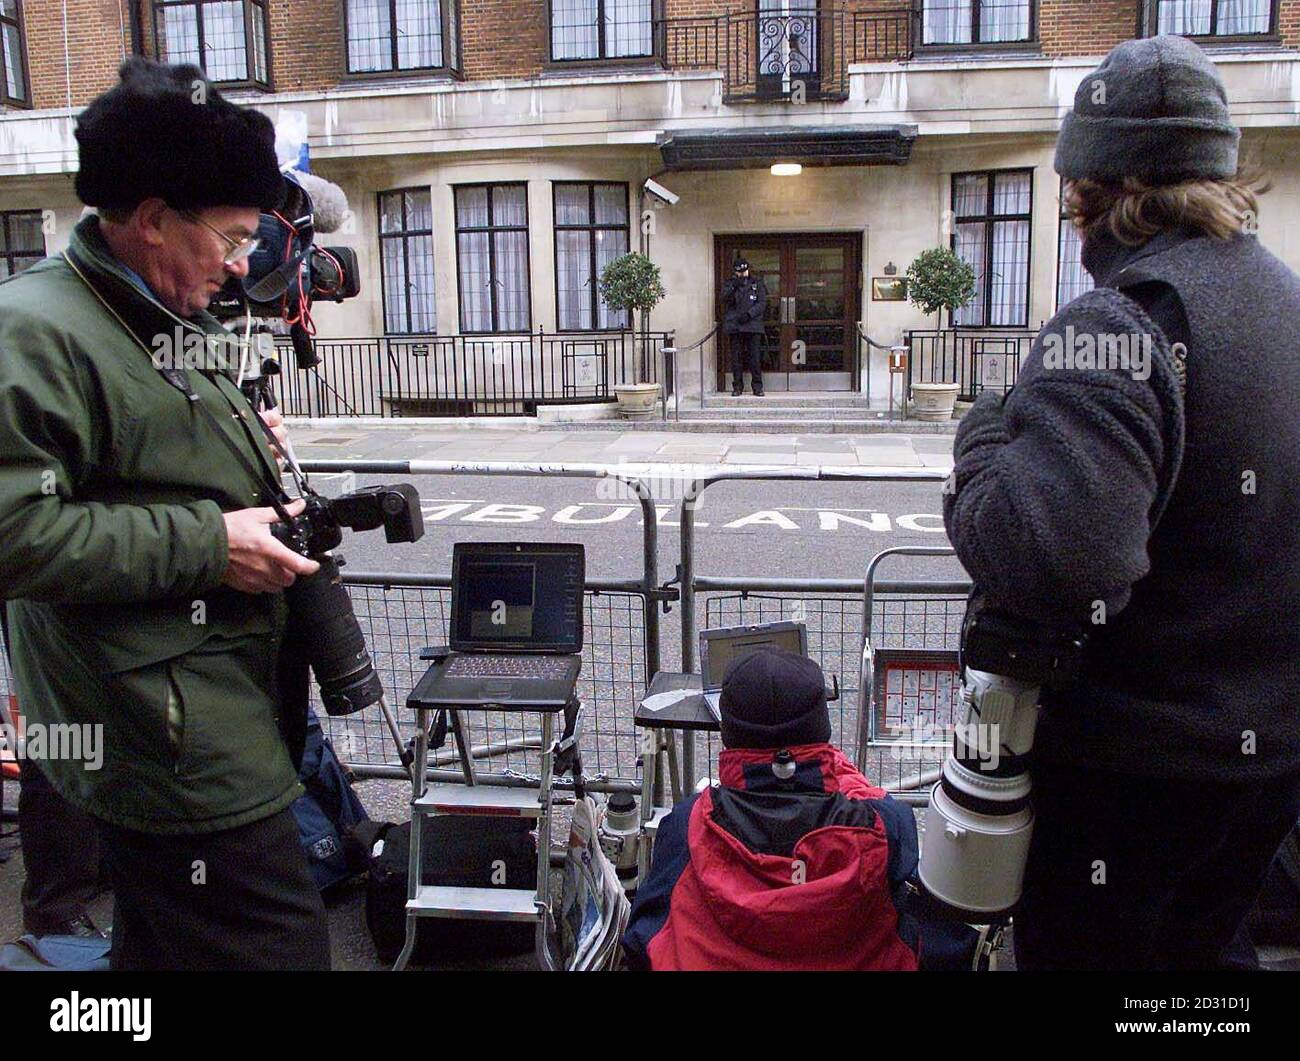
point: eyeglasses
(239, 248)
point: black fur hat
(165, 131)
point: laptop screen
(718, 648)
(518, 597)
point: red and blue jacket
(810, 872)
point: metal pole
(688, 620)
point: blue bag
(55, 954)
(328, 813)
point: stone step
(759, 425)
(784, 412)
(792, 399)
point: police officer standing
(744, 299)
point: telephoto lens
(979, 822)
(323, 624)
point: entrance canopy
(834, 145)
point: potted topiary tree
(631, 282)
(938, 280)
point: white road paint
(592, 513)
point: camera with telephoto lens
(321, 620)
(980, 819)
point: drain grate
(332, 440)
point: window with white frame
(601, 29)
(591, 230)
(1072, 279)
(406, 261)
(1213, 18)
(14, 89)
(492, 257)
(976, 21)
(401, 35)
(992, 219)
(22, 242)
(226, 39)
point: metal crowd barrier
(401, 613)
(787, 588)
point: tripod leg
(462, 748)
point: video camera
(288, 271)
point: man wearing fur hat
(1158, 502)
(142, 585)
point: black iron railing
(885, 35)
(795, 55)
(987, 359)
(465, 375)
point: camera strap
(179, 379)
(274, 490)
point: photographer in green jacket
(142, 584)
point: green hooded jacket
(112, 552)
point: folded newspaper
(593, 909)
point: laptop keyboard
(556, 667)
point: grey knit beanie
(1155, 109)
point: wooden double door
(814, 292)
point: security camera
(661, 193)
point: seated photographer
(143, 586)
(794, 862)
(1154, 500)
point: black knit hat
(165, 131)
(1155, 109)
(773, 699)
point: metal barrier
(466, 375)
(691, 583)
(401, 613)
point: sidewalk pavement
(376, 439)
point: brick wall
(1288, 19)
(98, 38)
(503, 38)
(307, 45)
(1085, 27)
(499, 38)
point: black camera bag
(456, 851)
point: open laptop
(718, 648)
(516, 626)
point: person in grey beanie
(1143, 477)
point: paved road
(799, 529)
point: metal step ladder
(474, 799)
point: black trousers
(746, 356)
(238, 899)
(60, 855)
(1136, 873)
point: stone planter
(933, 402)
(637, 401)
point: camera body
(319, 527)
(322, 625)
(1035, 653)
